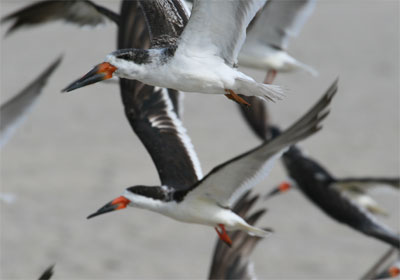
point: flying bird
(201, 59)
(388, 266)
(14, 111)
(209, 201)
(265, 48)
(234, 262)
(268, 36)
(354, 189)
(317, 184)
(79, 12)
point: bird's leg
(270, 77)
(223, 235)
(233, 96)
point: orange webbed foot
(233, 96)
(223, 235)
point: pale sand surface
(77, 151)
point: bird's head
(146, 197)
(126, 63)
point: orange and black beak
(281, 188)
(117, 204)
(101, 72)
(391, 272)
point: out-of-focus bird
(200, 60)
(48, 273)
(317, 185)
(234, 262)
(353, 188)
(388, 266)
(80, 12)
(208, 202)
(265, 48)
(15, 110)
(268, 36)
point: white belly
(202, 212)
(195, 75)
(265, 58)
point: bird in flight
(209, 201)
(317, 184)
(202, 59)
(268, 37)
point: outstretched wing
(228, 181)
(151, 114)
(367, 182)
(218, 27)
(48, 273)
(256, 116)
(80, 12)
(12, 112)
(280, 20)
(165, 20)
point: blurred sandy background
(76, 152)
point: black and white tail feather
(234, 262)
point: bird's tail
(307, 68)
(255, 231)
(264, 91)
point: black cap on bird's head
(100, 72)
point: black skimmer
(234, 263)
(265, 48)
(48, 273)
(202, 59)
(353, 188)
(208, 201)
(80, 12)
(268, 37)
(13, 111)
(317, 184)
(388, 266)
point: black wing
(365, 181)
(234, 263)
(165, 20)
(13, 111)
(256, 116)
(134, 33)
(317, 184)
(80, 12)
(48, 273)
(150, 112)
